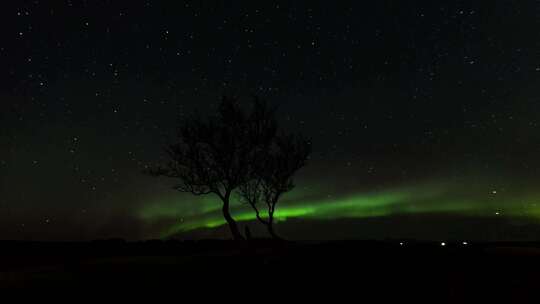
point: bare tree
(273, 176)
(216, 155)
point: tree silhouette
(217, 155)
(273, 175)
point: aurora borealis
(424, 115)
(429, 198)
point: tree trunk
(232, 223)
(270, 227)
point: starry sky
(424, 115)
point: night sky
(424, 115)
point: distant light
(401, 243)
(494, 192)
(464, 243)
(443, 244)
(497, 213)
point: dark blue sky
(392, 92)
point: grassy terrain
(389, 269)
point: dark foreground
(505, 272)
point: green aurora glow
(192, 213)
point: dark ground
(506, 272)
